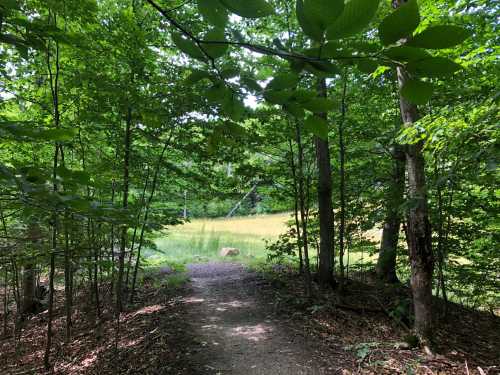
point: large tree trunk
(29, 284)
(386, 263)
(418, 227)
(326, 218)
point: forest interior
(249, 187)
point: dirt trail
(238, 332)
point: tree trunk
(296, 206)
(342, 184)
(326, 218)
(418, 226)
(303, 211)
(123, 243)
(146, 213)
(5, 302)
(29, 285)
(68, 295)
(138, 219)
(54, 88)
(386, 263)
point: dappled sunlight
(210, 327)
(254, 333)
(148, 310)
(131, 342)
(225, 306)
(193, 300)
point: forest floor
(230, 320)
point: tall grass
(201, 240)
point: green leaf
(230, 73)
(416, 91)
(438, 37)
(188, 46)
(322, 69)
(295, 110)
(318, 126)
(302, 96)
(249, 9)
(58, 135)
(323, 12)
(251, 84)
(400, 23)
(277, 96)
(319, 105)
(310, 28)
(333, 50)
(356, 16)
(217, 93)
(196, 76)
(367, 65)
(213, 12)
(283, 81)
(433, 67)
(215, 50)
(405, 53)
(233, 107)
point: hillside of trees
(123, 118)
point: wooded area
(121, 118)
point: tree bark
(418, 226)
(68, 295)
(303, 211)
(386, 263)
(146, 213)
(5, 302)
(29, 284)
(325, 208)
(123, 243)
(342, 149)
(296, 198)
(54, 88)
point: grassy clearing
(201, 240)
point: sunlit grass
(201, 240)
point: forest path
(238, 331)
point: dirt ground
(230, 320)
(241, 334)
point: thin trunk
(440, 241)
(123, 243)
(418, 226)
(138, 219)
(386, 263)
(5, 302)
(96, 274)
(68, 295)
(326, 216)
(112, 241)
(296, 206)
(146, 213)
(342, 183)
(303, 213)
(54, 87)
